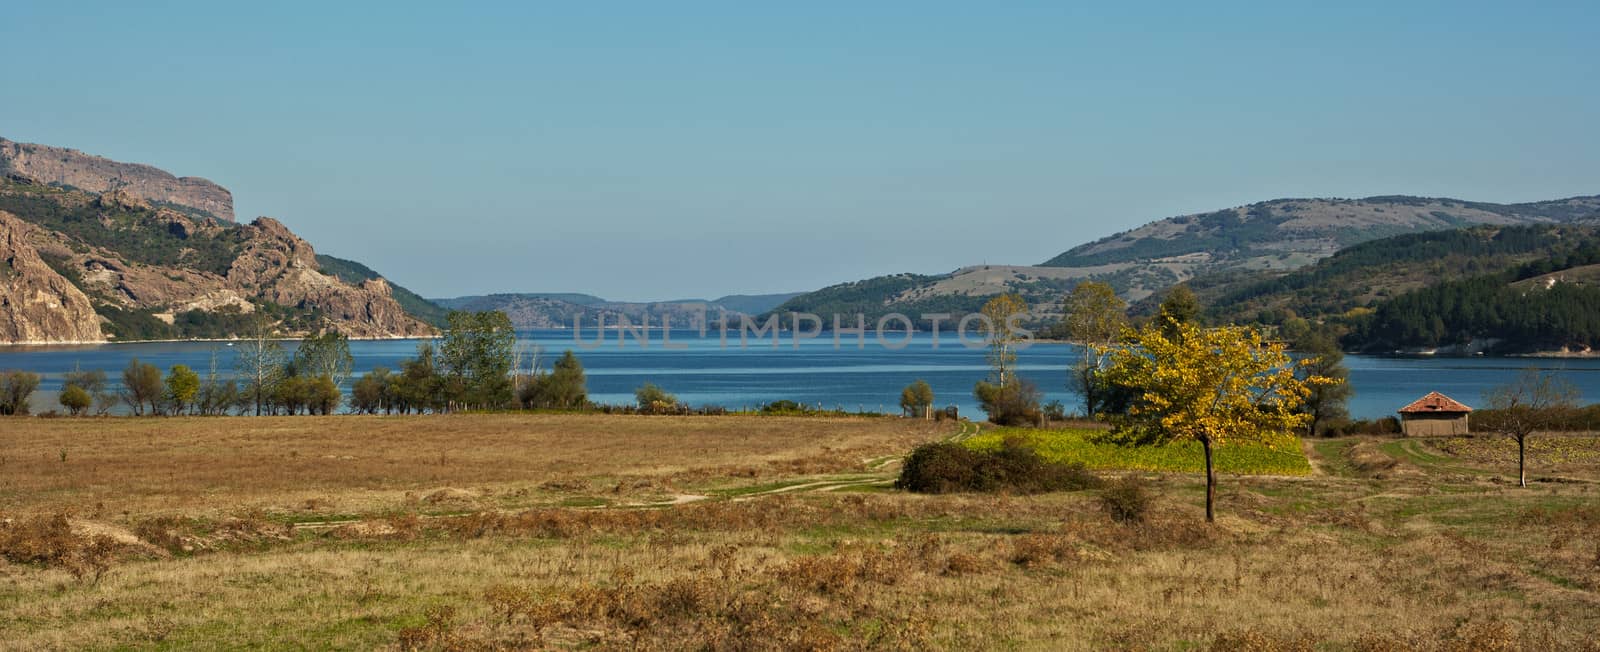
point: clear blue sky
(671, 149)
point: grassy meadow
(1079, 445)
(482, 532)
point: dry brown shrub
(1470, 636)
(1041, 550)
(822, 574)
(509, 602)
(566, 485)
(1172, 533)
(964, 563)
(49, 541)
(317, 504)
(156, 629)
(171, 533)
(437, 632)
(406, 526)
(1353, 518)
(252, 529)
(450, 495)
(1257, 640)
(1126, 499)
(477, 524)
(1577, 516)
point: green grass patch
(1332, 452)
(1186, 457)
(1418, 453)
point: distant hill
(753, 304)
(962, 291)
(1285, 234)
(1232, 246)
(355, 273)
(530, 311)
(479, 302)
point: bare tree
(520, 379)
(1535, 401)
(326, 355)
(261, 363)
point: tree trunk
(1522, 456)
(1211, 483)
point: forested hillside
(1367, 273)
(1511, 289)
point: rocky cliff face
(278, 266)
(80, 266)
(36, 303)
(61, 166)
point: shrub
(939, 468)
(49, 541)
(16, 390)
(654, 400)
(1054, 411)
(373, 392)
(916, 400)
(1012, 404)
(75, 399)
(1014, 467)
(1038, 550)
(322, 396)
(1381, 426)
(1126, 499)
(564, 388)
(785, 407)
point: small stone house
(1434, 415)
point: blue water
(705, 371)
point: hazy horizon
(698, 151)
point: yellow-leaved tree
(1209, 385)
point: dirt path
(878, 468)
(1312, 457)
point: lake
(705, 371)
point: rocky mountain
(558, 310)
(86, 266)
(1260, 240)
(36, 303)
(1285, 234)
(356, 273)
(70, 168)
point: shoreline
(33, 343)
(1422, 355)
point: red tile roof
(1435, 403)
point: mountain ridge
(73, 169)
(536, 310)
(1270, 237)
(82, 266)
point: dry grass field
(750, 533)
(357, 464)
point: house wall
(1433, 425)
